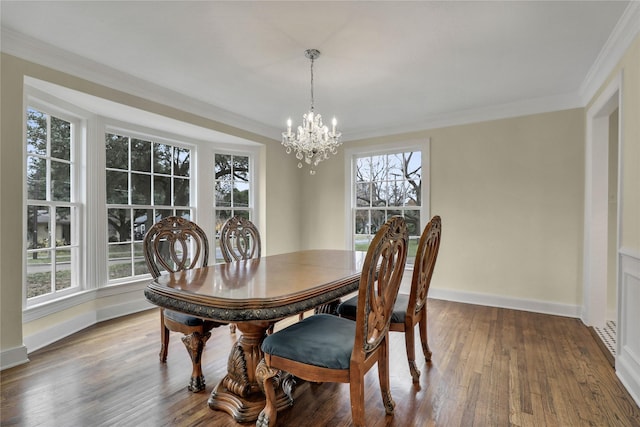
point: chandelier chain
(312, 59)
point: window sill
(48, 308)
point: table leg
(239, 394)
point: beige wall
(10, 205)
(280, 188)
(510, 193)
(282, 202)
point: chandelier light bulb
(312, 142)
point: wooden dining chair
(411, 309)
(174, 244)
(239, 239)
(328, 348)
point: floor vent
(608, 336)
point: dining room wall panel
(323, 205)
(11, 346)
(283, 186)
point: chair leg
(423, 338)
(164, 338)
(409, 343)
(195, 346)
(383, 377)
(232, 328)
(269, 379)
(356, 392)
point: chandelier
(312, 142)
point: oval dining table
(255, 294)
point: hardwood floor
(491, 367)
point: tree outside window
(387, 185)
(232, 191)
(51, 211)
(146, 181)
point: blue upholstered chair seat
(348, 308)
(183, 318)
(321, 340)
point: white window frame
(351, 153)
(47, 104)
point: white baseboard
(545, 307)
(61, 330)
(13, 357)
(47, 336)
(119, 310)
(627, 371)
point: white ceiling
(386, 67)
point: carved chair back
(239, 239)
(425, 262)
(379, 283)
(174, 244)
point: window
(52, 208)
(385, 185)
(97, 177)
(146, 181)
(232, 190)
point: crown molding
(619, 40)
(39, 52)
(484, 114)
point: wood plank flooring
(491, 367)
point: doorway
(600, 275)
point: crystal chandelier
(313, 142)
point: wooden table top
(268, 288)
